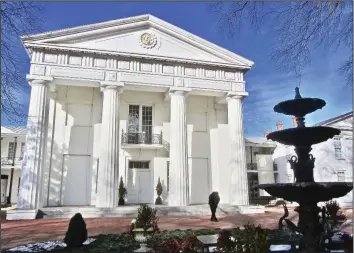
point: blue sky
(265, 84)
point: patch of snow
(45, 246)
(280, 247)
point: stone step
(132, 211)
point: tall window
(341, 176)
(22, 149)
(140, 124)
(337, 147)
(11, 151)
(168, 176)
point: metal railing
(252, 166)
(141, 138)
(9, 161)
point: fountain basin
(299, 107)
(309, 192)
(303, 136)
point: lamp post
(12, 171)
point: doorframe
(62, 176)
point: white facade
(12, 146)
(136, 98)
(333, 158)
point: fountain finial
(297, 93)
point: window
(18, 188)
(341, 176)
(139, 164)
(168, 176)
(337, 147)
(11, 151)
(140, 124)
(22, 149)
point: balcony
(143, 140)
(6, 161)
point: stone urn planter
(142, 237)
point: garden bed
(122, 243)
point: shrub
(122, 192)
(224, 242)
(175, 244)
(77, 232)
(251, 239)
(347, 242)
(333, 211)
(147, 218)
(159, 190)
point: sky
(265, 83)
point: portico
(136, 98)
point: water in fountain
(305, 190)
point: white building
(12, 148)
(136, 98)
(334, 158)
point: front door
(4, 180)
(139, 183)
(75, 180)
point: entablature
(88, 66)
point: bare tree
(300, 27)
(17, 19)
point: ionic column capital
(177, 92)
(39, 80)
(106, 85)
(236, 95)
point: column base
(21, 214)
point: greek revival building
(138, 99)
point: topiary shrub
(77, 232)
(147, 218)
(159, 190)
(122, 192)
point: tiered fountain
(305, 190)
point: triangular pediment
(144, 36)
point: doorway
(139, 182)
(4, 181)
(75, 180)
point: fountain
(305, 190)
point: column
(107, 183)
(179, 176)
(32, 164)
(237, 164)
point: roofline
(154, 21)
(335, 119)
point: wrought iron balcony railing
(9, 161)
(141, 138)
(251, 166)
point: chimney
(266, 133)
(279, 125)
(294, 121)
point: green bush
(250, 239)
(147, 218)
(77, 232)
(159, 190)
(333, 211)
(122, 192)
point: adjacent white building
(334, 158)
(141, 99)
(12, 149)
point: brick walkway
(14, 233)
